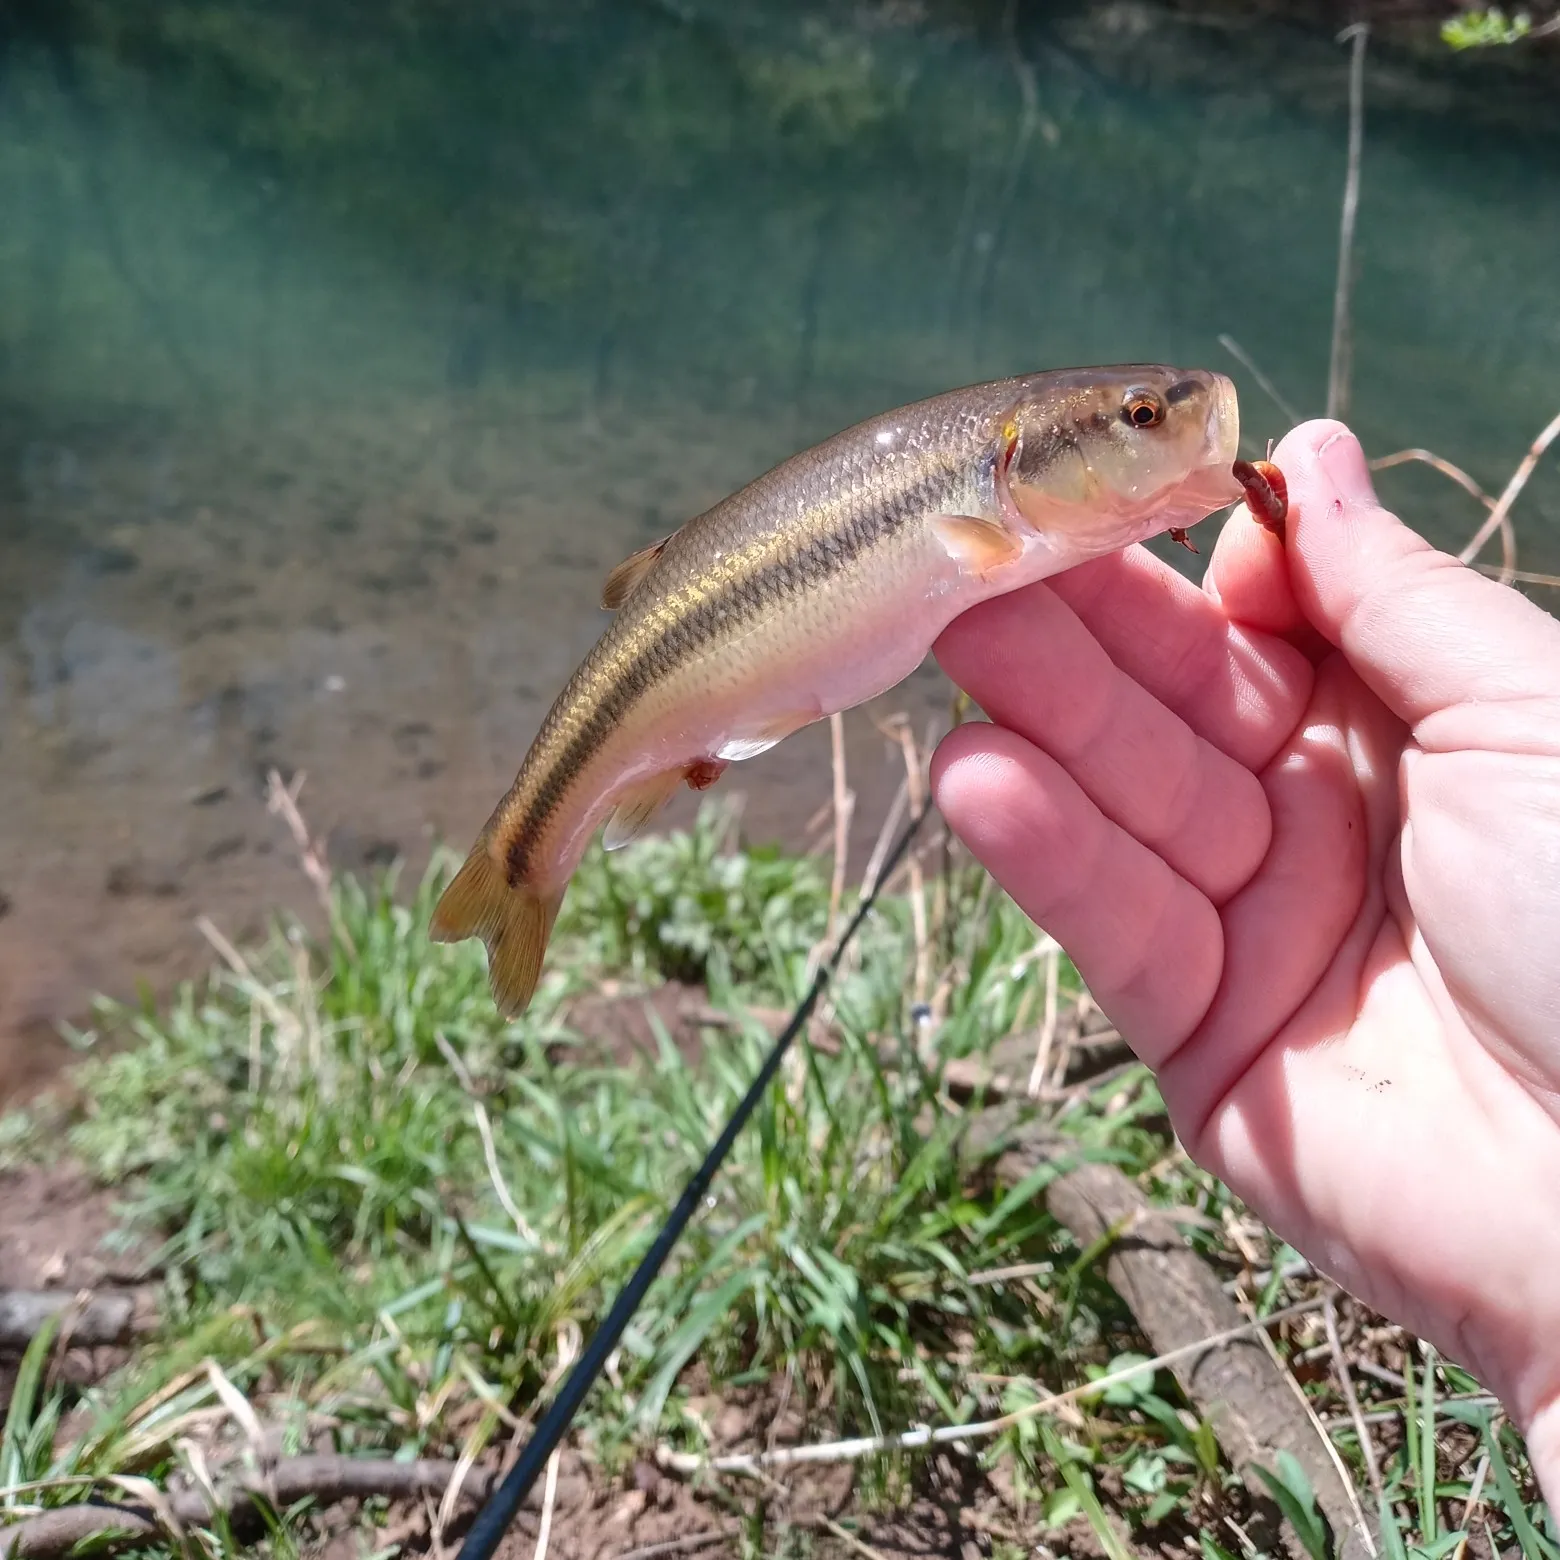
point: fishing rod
(493, 1520)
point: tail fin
(515, 923)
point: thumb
(1421, 629)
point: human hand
(1300, 832)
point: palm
(1329, 927)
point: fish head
(1089, 461)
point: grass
(300, 1133)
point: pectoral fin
(763, 736)
(979, 545)
(637, 806)
(623, 580)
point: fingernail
(1344, 462)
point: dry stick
(1444, 466)
(1520, 576)
(980, 1429)
(885, 837)
(1042, 1064)
(285, 1023)
(848, 1538)
(1474, 1492)
(844, 806)
(679, 1546)
(282, 800)
(1238, 352)
(485, 1132)
(917, 794)
(1519, 480)
(1346, 1382)
(326, 1479)
(1508, 536)
(568, 1348)
(1334, 1456)
(1339, 363)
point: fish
(822, 584)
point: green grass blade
(1292, 1493)
(19, 1417)
(1429, 1516)
(1533, 1544)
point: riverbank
(372, 1221)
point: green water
(344, 347)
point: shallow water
(342, 354)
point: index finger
(1236, 687)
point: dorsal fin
(623, 580)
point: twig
(1346, 1382)
(846, 1537)
(1520, 576)
(1325, 1441)
(1238, 352)
(1519, 480)
(915, 788)
(680, 1546)
(885, 838)
(980, 1429)
(1475, 1490)
(485, 1132)
(568, 1348)
(1444, 466)
(285, 1023)
(1248, 1397)
(1042, 1064)
(844, 806)
(324, 1479)
(1339, 362)
(282, 801)
(1004, 1275)
(1508, 535)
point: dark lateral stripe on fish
(639, 664)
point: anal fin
(979, 545)
(637, 806)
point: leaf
(1077, 1479)
(1291, 1490)
(1135, 1388)
(684, 1343)
(1061, 1506)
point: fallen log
(1177, 1299)
(88, 1323)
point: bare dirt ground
(55, 1230)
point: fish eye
(1143, 409)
